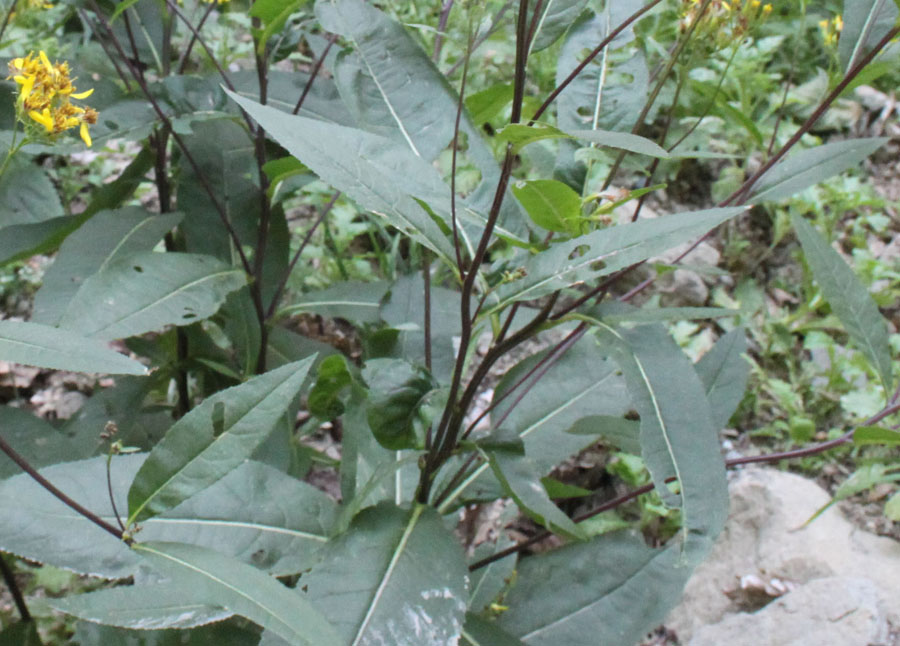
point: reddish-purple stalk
(442, 25)
(110, 34)
(195, 36)
(590, 57)
(537, 371)
(448, 428)
(314, 73)
(195, 33)
(265, 209)
(535, 19)
(495, 25)
(9, 576)
(6, 18)
(23, 464)
(654, 93)
(454, 222)
(309, 234)
(631, 495)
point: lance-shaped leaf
(43, 346)
(809, 167)
(678, 438)
(219, 580)
(876, 435)
(214, 438)
(155, 606)
(357, 302)
(395, 577)
(23, 240)
(623, 141)
(865, 23)
(148, 291)
(376, 172)
(581, 383)
(556, 16)
(390, 84)
(255, 513)
(605, 95)
(606, 251)
(724, 373)
(849, 300)
(562, 597)
(106, 238)
(521, 480)
(393, 88)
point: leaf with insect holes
(606, 251)
(149, 291)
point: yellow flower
(44, 118)
(45, 95)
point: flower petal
(43, 118)
(85, 134)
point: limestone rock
(765, 538)
(831, 610)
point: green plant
(184, 479)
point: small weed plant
(408, 252)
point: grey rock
(766, 537)
(830, 611)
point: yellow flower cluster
(725, 20)
(831, 29)
(45, 93)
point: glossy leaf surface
(216, 579)
(108, 237)
(396, 577)
(214, 438)
(148, 291)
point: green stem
(13, 149)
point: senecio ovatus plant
(508, 215)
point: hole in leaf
(218, 418)
(579, 251)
